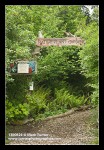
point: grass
(6, 136)
(49, 114)
(93, 125)
(95, 141)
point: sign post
(31, 86)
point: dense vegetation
(67, 76)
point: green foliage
(23, 24)
(89, 57)
(60, 63)
(16, 112)
(71, 17)
(93, 125)
(95, 14)
(38, 101)
(65, 99)
(18, 89)
(95, 141)
(19, 34)
(62, 101)
(95, 95)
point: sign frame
(26, 70)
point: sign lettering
(59, 41)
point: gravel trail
(68, 130)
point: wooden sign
(59, 41)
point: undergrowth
(40, 104)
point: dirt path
(69, 130)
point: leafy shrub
(65, 99)
(62, 98)
(59, 64)
(95, 98)
(38, 101)
(77, 101)
(89, 58)
(18, 112)
(17, 89)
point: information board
(26, 67)
(23, 68)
